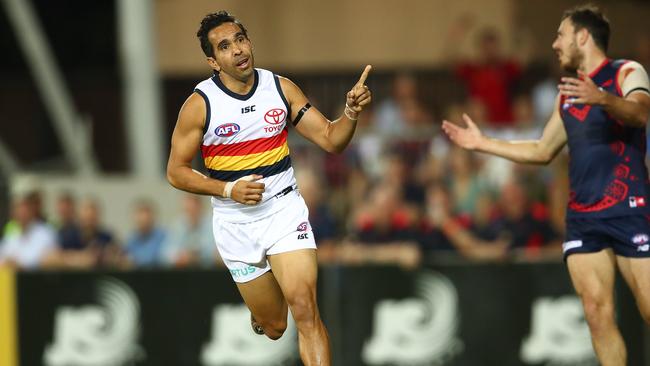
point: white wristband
(227, 190)
(345, 111)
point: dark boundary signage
(465, 315)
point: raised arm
(540, 151)
(331, 136)
(633, 109)
(186, 142)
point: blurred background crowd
(400, 193)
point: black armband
(300, 113)
(637, 89)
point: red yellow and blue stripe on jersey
(264, 156)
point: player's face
(566, 46)
(233, 51)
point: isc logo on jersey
(227, 130)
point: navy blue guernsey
(608, 177)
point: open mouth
(243, 63)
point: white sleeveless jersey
(243, 135)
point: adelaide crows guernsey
(608, 177)
(243, 135)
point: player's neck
(236, 85)
(592, 62)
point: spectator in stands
(190, 241)
(144, 246)
(403, 113)
(432, 167)
(386, 218)
(437, 209)
(442, 235)
(492, 77)
(95, 246)
(523, 113)
(32, 243)
(384, 231)
(31, 191)
(464, 181)
(398, 173)
(69, 232)
(93, 234)
(526, 224)
(495, 171)
(353, 197)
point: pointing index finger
(364, 75)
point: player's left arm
(632, 109)
(331, 136)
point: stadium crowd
(400, 194)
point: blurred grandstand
(90, 93)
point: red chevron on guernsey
(245, 147)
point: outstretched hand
(359, 96)
(468, 137)
(581, 90)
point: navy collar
(231, 93)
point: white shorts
(244, 246)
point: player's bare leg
(593, 277)
(636, 272)
(266, 303)
(296, 273)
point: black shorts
(628, 236)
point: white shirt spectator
(28, 248)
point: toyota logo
(275, 116)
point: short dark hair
(212, 21)
(591, 18)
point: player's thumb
(469, 121)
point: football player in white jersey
(292, 281)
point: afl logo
(226, 130)
(302, 226)
(275, 116)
